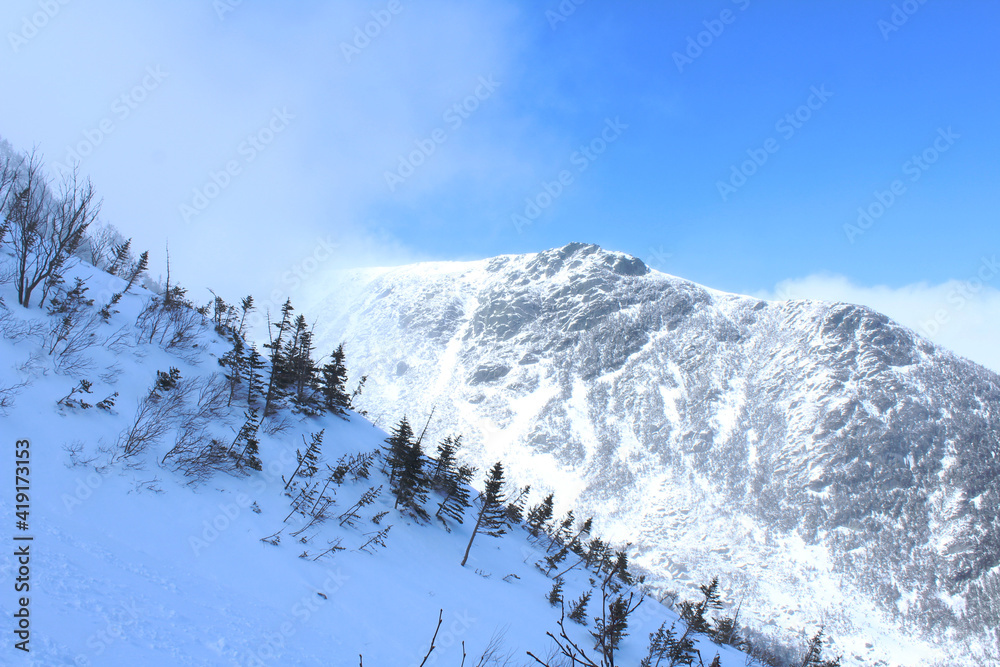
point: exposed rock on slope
(829, 464)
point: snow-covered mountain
(123, 560)
(828, 464)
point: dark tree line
(289, 376)
(413, 475)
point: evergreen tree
(444, 464)
(555, 596)
(137, 270)
(814, 653)
(539, 515)
(296, 375)
(553, 560)
(405, 460)
(236, 362)
(621, 568)
(713, 599)
(166, 381)
(725, 630)
(252, 374)
(309, 462)
(515, 508)
(578, 610)
(596, 549)
(613, 628)
(122, 255)
(562, 531)
(247, 436)
(411, 485)
(333, 385)
(72, 302)
(694, 613)
(661, 643)
(452, 482)
(492, 517)
(357, 392)
(278, 362)
(399, 441)
(576, 543)
(105, 312)
(219, 314)
(607, 562)
(683, 651)
(246, 305)
(456, 495)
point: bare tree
(24, 216)
(177, 328)
(45, 232)
(98, 246)
(8, 177)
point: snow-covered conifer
(492, 517)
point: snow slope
(131, 565)
(828, 464)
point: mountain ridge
(865, 454)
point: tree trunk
(475, 530)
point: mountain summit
(828, 464)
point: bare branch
(431, 649)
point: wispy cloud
(323, 176)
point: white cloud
(961, 315)
(317, 183)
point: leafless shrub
(7, 394)
(151, 324)
(6, 265)
(212, 399)
(111, 374)
(196, 454)
(67, 341)
(118, 341)
(176, 328)
(74, 329)
(332, 548)
(275, 425)
(273, 539)
(98, 244)
(75, 451)
(16, 330)
(156, 414)
(138, 486)
(494, 653)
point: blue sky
(264, 142)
